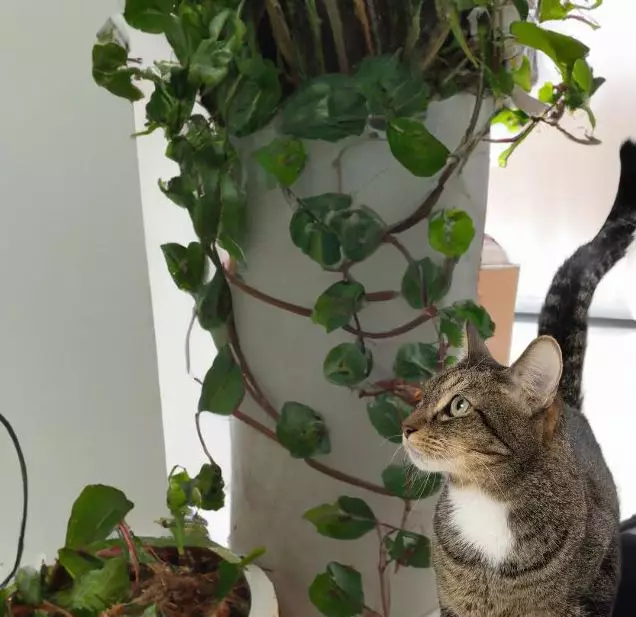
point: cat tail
(565, 310)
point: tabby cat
(527, 524)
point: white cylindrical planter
(270, 490)
(262, 593)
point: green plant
(321, 71)
(104, 569)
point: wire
(25, 500)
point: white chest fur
(482, 522)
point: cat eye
(459, 407)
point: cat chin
(427, 464)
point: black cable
(25, 500)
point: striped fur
(564, 313)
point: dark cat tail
(564, 312)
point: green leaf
(552, 10)
(523, 75)
(413, 146)
(171, 102)
(210, 63)
(512, 119)
(454, 21)
(110, 72)
(206, 216)
(314, 239)
(284, 158)
(179, 190)
(77, 564)
(256, 98)
(347, 519)
(28, 583)
(302, 431)
(347, 364)
(186, 265)
(150, 16)
(223, 388)
(386, 413)
(338, 591)
(328, 108)
(109, 56)
(477, 315)
(416, 361)
(336, 306)
(95, 515)
(410, 549)
(424, 283)
(411, 487)
(98, 590)
(181, 493)
(451, 232)
(233, 223)
(522, 8)
(360, 231)
(583, 76)
(547, 93)
(563, 50)
(214, 303)
(326, 204)
(227, 578)
(391, 88)
(210, 483)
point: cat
(527, 524)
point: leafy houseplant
(104, 569)
(349, 133)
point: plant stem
(325, 469)
(126, 536)
(425, 316)
(391, 239)
(197, 422)
(408, 506)
(385, 593)
(49, 607)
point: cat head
(479, 418)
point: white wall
(554, 193)
(78, 375)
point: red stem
(126, 535)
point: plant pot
(285, 352)
(264, 603)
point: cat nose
(408, 430)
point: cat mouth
(423, 462)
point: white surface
(609, 391)
(482, 522)
(286, 353)
(78, 378)
(555, 194)
(264, 603)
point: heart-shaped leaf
(328, 108)
(416, 361)
(415, 147)
(409, 549)
(424, 283)
(349, 518)
(347, 364)
(315, 239)
(338, 591)
(360, 231)
(336, 306)
(214, 302)
(209, 482)
(95, 514)
(467, 310)
(451, 232)
(284, 158)
(302, 431)
(386, 413)
(223, 388)
(151, 16)
(414, 486)
(186, 265)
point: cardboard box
(497, 293)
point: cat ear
(474, 347)
(538, 371)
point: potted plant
(333, 159)
(104, 569)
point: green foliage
(416, 361)
(336, 306)
(223, 388)
(98, 590)
(284, 158)
(409, 549)
(28, 583)
(386, 413)
(95, 514)
(347, 364)
(302, 431)
(337, 592)
(185, 264)
(451, 232)
(214, 302)
(424, 283)
(416, 148)
(414, 485)
(349, 518)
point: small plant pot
(262, 593)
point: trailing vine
(319, 71)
